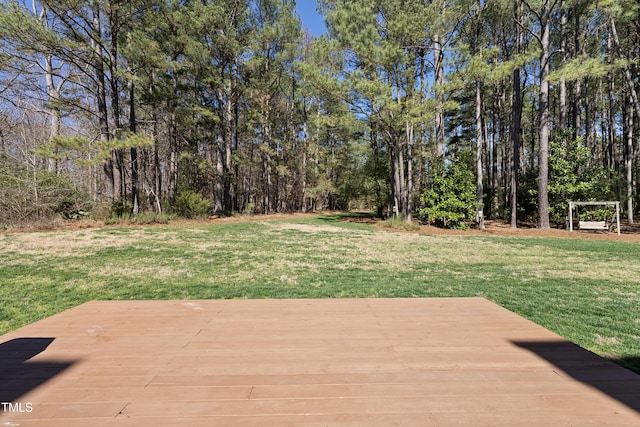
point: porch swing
(606, 225)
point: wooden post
(571, 217)
(618, 216)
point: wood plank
(367, 362)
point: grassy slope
(587, 291)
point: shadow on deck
(19, 375)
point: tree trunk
(611, 125)
(228, 142)
(587, 114)
(110, 168)
(408, 214)
(479, 146)
(627, 71)
(236, 138)
(218, 205)
(516, 132)
(305, 144)
(268, 182)
(499, 150)
(222, 186)
(577, 87)
(438, 52)
(629, 161)
(563, 49)
(116, 155)
(543, 159)
(156, 172)
(395, 179)
(174, 150)
(402, 181)
(135, 191)
(54, 109)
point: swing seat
(593, 225)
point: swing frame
(593, 225)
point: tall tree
(274, 50)
(31, 67)
(516, 118)
(628, 13)
(384, 44)
(541, 31)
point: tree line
(448, 109)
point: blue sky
(311, 20)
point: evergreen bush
(450, 199)
(190, 204)
(572, 177)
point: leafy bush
(119, 210)
(73, 209)
(450, 200)
(250, 209)
(571, 178)
(189, 204)
(600, 214)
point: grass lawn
(585, 290)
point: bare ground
(630, 233)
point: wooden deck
(368, 362)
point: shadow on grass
(632, 363)
(19, 375)
(582, 365)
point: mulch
(630, 233)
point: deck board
(369, 362)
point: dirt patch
(360, 220)
(602, 340)
(82, 224)
(305, 228)
(76, 242)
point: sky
(311, 20)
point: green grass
(585, 290)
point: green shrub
(119, 210)
(189, 204)
(572, 178)
(600, 214)
(250, 209)
(73, 209)
(450, 200)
